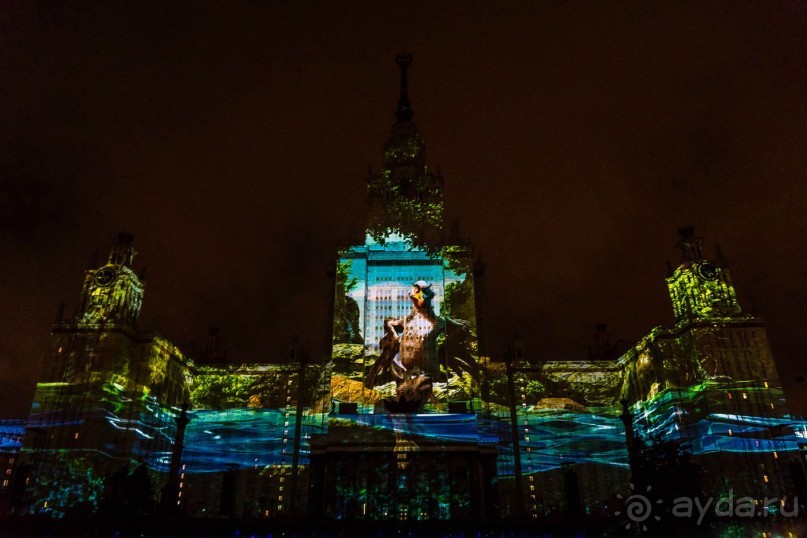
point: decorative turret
(699, 289)
(404, 148)
(112, 294)
(690, 247)
(405, 197)
(123, 253)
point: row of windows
(399, 278)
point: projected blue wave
(217, 441)
(220, 440)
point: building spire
(690, 247)
(405, 197)
(123, 253)
(404, 112)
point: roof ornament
(690, 247)
(404, 112)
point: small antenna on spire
(404, 112)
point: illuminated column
(631, 443)
(533, 495)
(171, 493)
(515, 430)
(284, 451)
(479, 306)
(301, 358)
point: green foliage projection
(262, 386)
(696, 297)
(68, 483)
(461, 386)
(411, 207)
(457, 258)
(213, 390)
(458, 302)
(346, 328)
(114, 301)
(349, 359)
(533, 389)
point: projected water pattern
(219, 440)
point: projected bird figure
(417, 339)
(409, 352)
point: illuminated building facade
(11, 434)
(105, 394)
(109, 398)
(405, 320)
(410, 419)
(710, 382)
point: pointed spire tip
(403, 58)
(404, 112)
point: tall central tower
(405, 197)
(405, 375)
(404, 287)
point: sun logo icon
(638, 508)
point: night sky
(233, 140)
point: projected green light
(702, 291)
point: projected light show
(409, 413)
(397, 327)
(408, 420)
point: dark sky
(233, 139)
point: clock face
(706, 271)
(105, 276)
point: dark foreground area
(24, 527)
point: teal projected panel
(404, 323)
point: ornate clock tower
(700, 290)
(710, 327)
(105, 389)
(112, 294)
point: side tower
(727, 341)
(710, 382)
(107, 395)
(113, 294)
